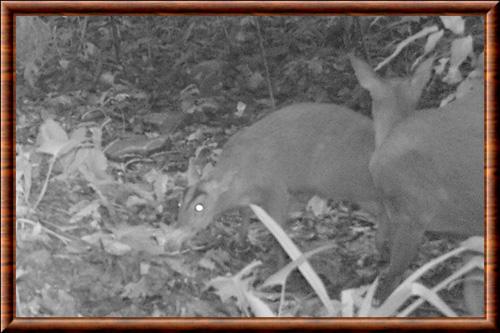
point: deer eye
(199, 207)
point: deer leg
(404, 244)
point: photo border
(10, 9)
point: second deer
(427, 166)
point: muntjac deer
(312, 148)
(428, 167)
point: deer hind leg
(404, 234)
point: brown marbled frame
(11, 8)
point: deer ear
(367, 77)
(422, 75)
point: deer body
(315, 148)
(428, 167)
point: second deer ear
(422, 75)
(367, 77)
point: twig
(422, 33)
(44, 188)
(62, 238)
(364, 49)
(264, 60)
(84, 30)
(116, 39)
